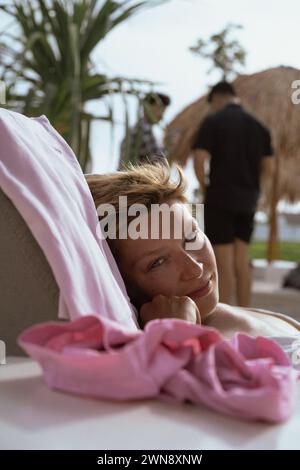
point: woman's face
(169, 266)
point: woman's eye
(156, 263)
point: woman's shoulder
(229, 311)
(228, 319)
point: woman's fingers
(162, 306)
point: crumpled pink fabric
(41, 175)
(246, 377)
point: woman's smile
(203, 290)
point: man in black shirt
(238, 148)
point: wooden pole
(273, 247)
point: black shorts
(224, 226)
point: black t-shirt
(236, 142)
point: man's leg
(242, 272)
(224, 256)
(219, 227)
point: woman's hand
(183, 308)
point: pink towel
(41, 175)
(246, 377)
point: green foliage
(46, 63)
(225, 54)
(289, 251)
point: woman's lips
(203, 291)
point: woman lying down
(169, 271)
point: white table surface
(34, 417)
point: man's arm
(267, 170)
(201, 148)
(267, 166)
(200, 157)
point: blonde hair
(145, 184)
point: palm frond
(50, 58)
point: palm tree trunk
(75, 91)
(85, 155)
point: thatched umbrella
(267, 95)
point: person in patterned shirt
(140, 144)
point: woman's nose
(191, 268)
